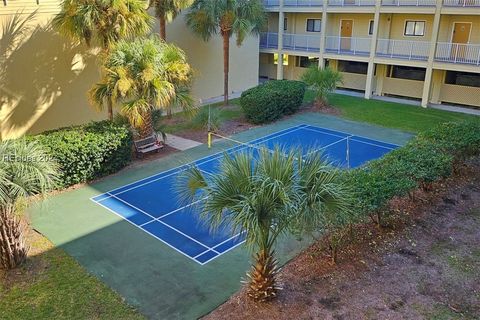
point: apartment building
(418, 49)
(44, 79)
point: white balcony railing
(302, 42)
(410, 3)
(271, 3)
(458, 53)
(269, 40)
(347, 45)
(403, 49)
(461, 3)
(349, 3)
(303, 3)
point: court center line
(153, 235)
(154, 219)
(372, 144)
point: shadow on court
(151, 276)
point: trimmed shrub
(88, 152)
(271, 100)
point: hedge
(271, 100)
(89, 151)
(427, 158)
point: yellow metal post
(209, 140)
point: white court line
(169, 226)
(310, 127)
(372, 144)
(148, 232)
(231, 238)
(228, 250)
(181, 169)
(328, 145)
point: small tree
(102, 23)
(168, 10)
(279, 192)
(142, 76)
(25, 170)
(208, 18)
(322, 81)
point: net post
(209, 143)
(348, 152)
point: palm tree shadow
(44, 78)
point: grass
(389, 114)
(181, 122)
(52, 285)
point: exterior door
(346, 34)
(461, 34)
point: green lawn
(389, 114)
(233, 111)
(52, 285)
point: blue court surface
(152, 205)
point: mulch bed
(425, 265)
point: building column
(281, 18)
(431, 56)
(323, 35)
(373, 49)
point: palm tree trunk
(110, 110)
(13, 249)
(262, 276)
(226, 65)
(146, 129)
(163, 28)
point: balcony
(458, 53)
(269, 40)
(303, 3)
(347, 45)
(409, 3)
(350, 3)
(302, 42)
(461, 3)
(403, 49)
(271, 3)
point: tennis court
(152, 204)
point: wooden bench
(147, 145)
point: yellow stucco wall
(44, 82)
(397, 26)
(447, 23)
(360, 24)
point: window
(285, 59)
(314, 25)
(409, 73)
(352, 67)
(305, 62)
(285, 24)
(370, 27)
(463, 79)
(414, 28)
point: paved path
(180, 143)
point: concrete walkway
(180, 143)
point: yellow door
(346, 34)
(461, 34)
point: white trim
(368, 28)
(306, 25)
(410, 36)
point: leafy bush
(322, 81)
(459, 139)
(89, 151)
(271, 100)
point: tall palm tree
(207, 18)
(168, 10)
(278, 192)
(25, 170)
(141, 76)
(103, 22)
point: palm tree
(226, 17)
(103, 23)
(168, 10)
(278, 192)
(25, 170)
(322, 81)
(141, 76)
